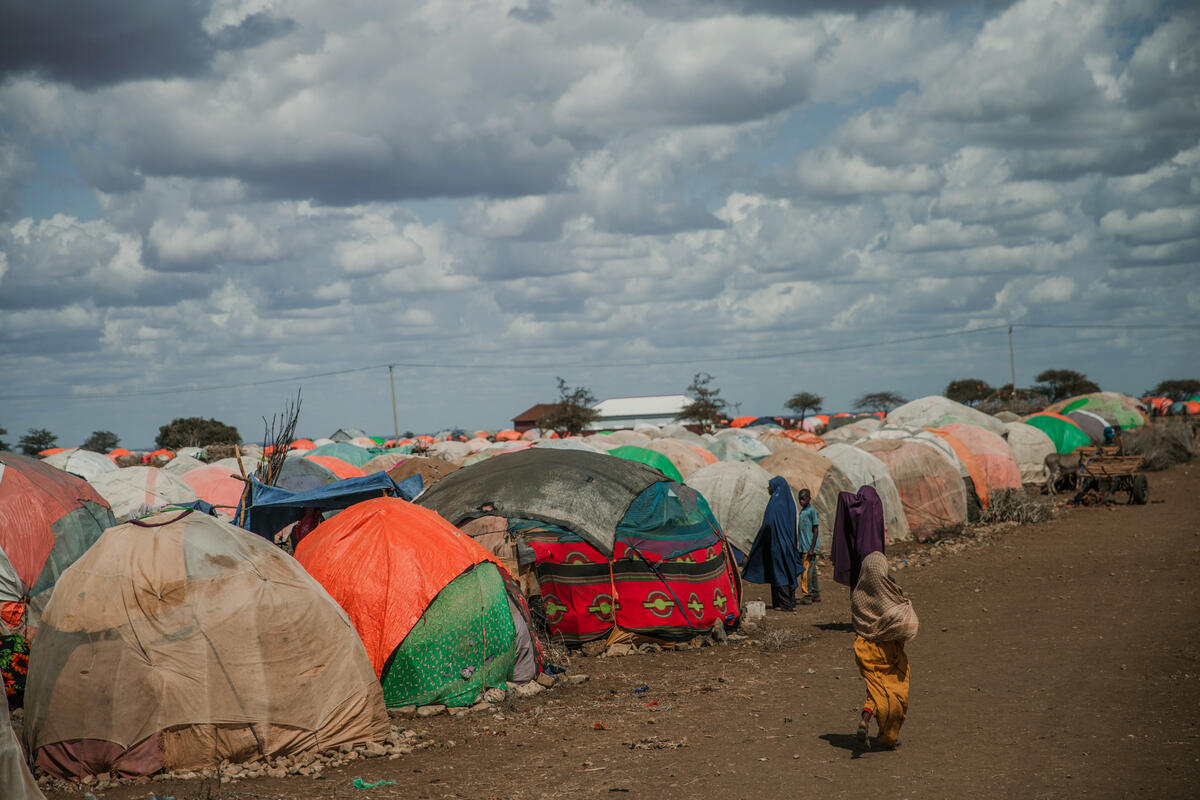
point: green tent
(1065, 434)
(1110, 410)
(350, 453)
(651, 458)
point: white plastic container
(755, 609)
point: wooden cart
(1102, 475)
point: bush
(1014, 505)
(1162, 445)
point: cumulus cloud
(564, 185)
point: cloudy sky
(206, 205)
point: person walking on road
(774, 558)
(884, 620)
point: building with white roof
(629, 412)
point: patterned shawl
(878, 606)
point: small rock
(546, 679)
(457, 711)
(377, 749)
(430, 711)
(530, 689)
(403, 712)
(737, 637)
(483, 705)
(494, 695)
(575, 680)
(277, 772)
(618, 650)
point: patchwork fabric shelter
(567, 443)
(80, 462)
(936, 411)
(1091, 424)
(992, 454)
(454, 452)
(180, 641)
(181, 464)
(346, 451)
(737, 494)
(304, 474)
(1029, 446)
(134, 491)
(384, 461)
(1114, 408)
(685, 457)
(1066, 435)
(929, 486)
(864, 469)
(430, 468)
(852, 431)
(806, 469)
(433, 610)
(815, 422)
(617, 545)
(217, 486)
(629, 438)
(651, 458)
(48, 519)
(738, 446)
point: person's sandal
(864, 743)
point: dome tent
(1029, 446)
(686, 458)
(864, 469)
(617, 545)
(48, 519)
(133, 491)
(737, 493)
(806, 469)
(651, 458)
(434, 611)
(936, 411)
(180, 641)
(1066, 435)
(992, 454)
(84, 463)
(929, 485)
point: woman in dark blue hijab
(775, 558)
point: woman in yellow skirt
(884, 620)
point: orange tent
(507, 435)
(426, 438)
(51, 451)
(117, 452)
(741, 422)
(414, 553)
(983, 490)
(992, 453)
(342, 469)
(303, 444)
(708, 455)
(216, 485)
(804, 438)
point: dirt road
(1055, 660)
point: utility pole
(396, 421)
(1012, 361)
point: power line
(600, 365)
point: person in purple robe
(857, 532)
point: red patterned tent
(616, 545)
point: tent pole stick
(395, 421)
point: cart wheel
(1141, 490)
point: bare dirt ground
(1054, 660)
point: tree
(968, 390)
(879, 401)
(37, 440)
(803, 402)
(101, 441)
(706, 405)
(572, 413)
(1058, 384)
(1177, 390)
(3, 444)
(196, 432)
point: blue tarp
(271, 508)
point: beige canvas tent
(180, 641)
